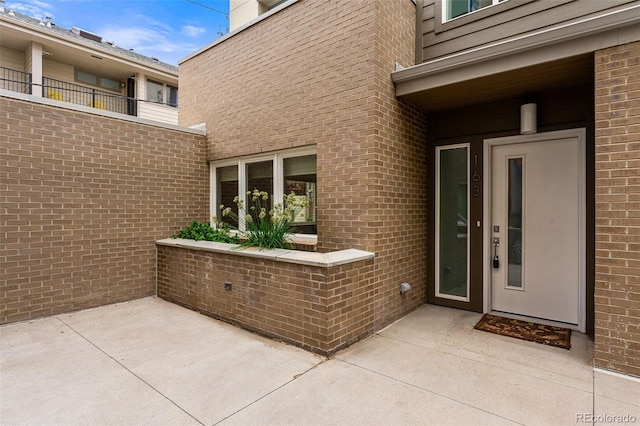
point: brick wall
(397, 226)
(318, 73)
(617, 290)
(84, 197)
(321, 309)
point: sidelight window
(452, 222)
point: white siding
(57, 70)
(13, 59)
(242, 11)
(27, 60)
(163, 113)
(150, 110)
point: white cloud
(35, 8)
(146, 36)
(141, 39)
(149, 41)
(161, 35)
(146, 21)
(192, 31)
(152, 37)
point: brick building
(437, 132)
(410, 128)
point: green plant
(205, 232)
(266, 230)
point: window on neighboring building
(110, 84)
(279, 174)
(271, 4)
(172, 96)
(162, 93)
(96, 80)
(155, 91)
(85, 77)
(456, 8)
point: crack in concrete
(130, 371)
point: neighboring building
(425, 148)
(242, 12)
(39, 58)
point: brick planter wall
(617, 289)
(321, 308)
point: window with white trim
(455, 8)
(162, 93)
(279, 174)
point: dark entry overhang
(554, 57)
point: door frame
(488, 145)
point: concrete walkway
(152, 362)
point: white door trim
(487, 170)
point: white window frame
(165, 92)
(277, 192)
(148, 92)
(446, 6)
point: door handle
(496, 260)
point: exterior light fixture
(528, 119)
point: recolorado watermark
(605, 418)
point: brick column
(617, 288)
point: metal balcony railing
(74, 93)
(15, 81)
(19, 81)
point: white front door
(537, 226)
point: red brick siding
(617, 290)
(84, 198)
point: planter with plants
(256, 227)
(203, 231)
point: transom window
(456, 8)
(278, 174)
(96, 80)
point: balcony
(19, 81)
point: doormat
(545, 334)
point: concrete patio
(151, 362)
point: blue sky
(165, 29)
